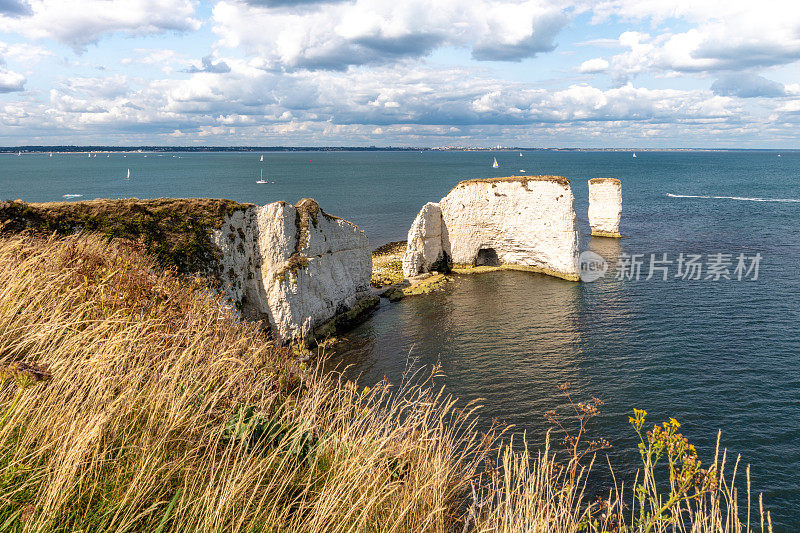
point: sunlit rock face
(526, 222)
(605, 206)
(295, 265)
(424, 249)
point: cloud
(746, 85)
(78, 23)
(290, 3)
(220, 67)
(334, 36)
(723, 35)
(593, 66)
(14, 8)
(11, 81)
(23, 53)
(439, 102)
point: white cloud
(593, 66)
(401, 102)
(80, 22)
(11, 81)
(725, 35)
(23, 52)
(336, 35)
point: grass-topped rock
(176, 231)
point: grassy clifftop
(175, 231)
(131, 401)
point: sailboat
(262, 159)
(19, 154)
(634, 154)
(262, 180)
(129, 175)
(520, 154)
(51, 154)
(494, 163)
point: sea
(695, 316)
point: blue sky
(605, 73)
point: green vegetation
(175, 231)
(132, 401)
(387, 264)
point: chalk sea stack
(605, 206)
(519, 222)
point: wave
(740, 198)
(71, 195)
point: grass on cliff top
(175, 231)
(561, 180)
(131, 401)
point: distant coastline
(30, 149)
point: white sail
(262, 158)
(495, 164)
(129, 175)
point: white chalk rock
(605, 206)
(522, 221)
(424, 249)
(296, 265)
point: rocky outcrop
(424, 249)
(307, 272)
(523, 222)
(303, 269)
(605, 206)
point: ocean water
(716, 355)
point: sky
(532, 73)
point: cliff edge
(305, 271)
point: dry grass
(174, 230)
(154, 410)
(561, 180)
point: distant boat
(262, 159)
(494, 163)
(51, 154)
(520, 154)
(90, 155)
(779, 155)
(634, 154)
(522, 170)
(262, 180)
(129, 175)
(19, 154)
(68, 196)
